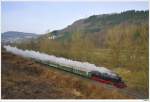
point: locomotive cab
(103, 76)
(95, 73)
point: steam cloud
(84, 66)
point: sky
(40, 17)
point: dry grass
(25, 79)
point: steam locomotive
(94, 75)
(105, 78)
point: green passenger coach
(67, 68)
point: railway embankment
(25, 79)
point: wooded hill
(96, 26)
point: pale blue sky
(38, 17)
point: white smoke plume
(84, 66)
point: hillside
(17, 37)
(95, 26)
(25, 79)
